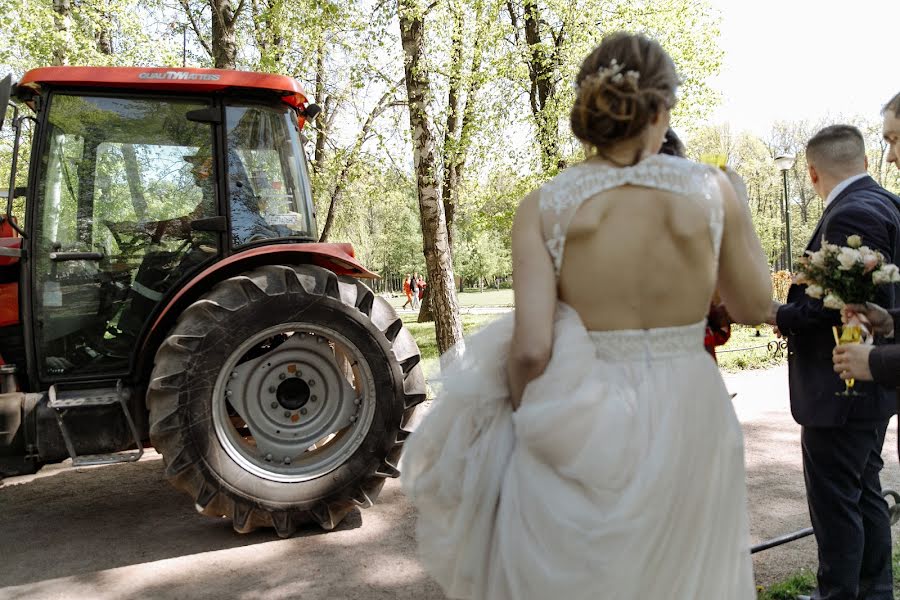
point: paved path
(775, 472)
(120, 532)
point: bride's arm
(534, 284)
(744, 280)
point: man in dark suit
(842, 436)
(879, 363)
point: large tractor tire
(281, 398)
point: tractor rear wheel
(281, 396)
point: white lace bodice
(562, 196)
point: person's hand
(773, 313)
(777, 332)
(851, 361)
(871, 316)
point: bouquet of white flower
(847, 274)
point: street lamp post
(784, 164)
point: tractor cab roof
(164, 79)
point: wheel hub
(297, 401)
(293, 394)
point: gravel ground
(120, 532)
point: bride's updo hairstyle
(621, 86)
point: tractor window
(123, 180)
(267, 181)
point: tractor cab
(140, 178)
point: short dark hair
(672, 144)
(892, 105)
(836, 147)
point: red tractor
(164, 286)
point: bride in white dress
(585, 447)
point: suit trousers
(841, 466)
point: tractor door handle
(63, 256)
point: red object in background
(718, 328)
(175, 79)
(9, 304)
(9, 292)
(204, 81)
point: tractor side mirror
(5, 93)
(311, 111)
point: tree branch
(195, 27)
(237, 11)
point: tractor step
(8, 379)
(63, 401)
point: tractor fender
(339, 258)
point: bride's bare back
(631, 248)
(638, 258)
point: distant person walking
(407, 289)
(414, 290)
(421, 284)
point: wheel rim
(293, 402)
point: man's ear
(866, 162)
(813, 175)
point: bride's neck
(625, 154)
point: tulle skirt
(621, 476)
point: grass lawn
(805, 581)
(746, 350)
(743, 351)
(424, 335)
(489, 297)
(801, 583)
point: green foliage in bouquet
(847, 274)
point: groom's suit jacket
(870, 211)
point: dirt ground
(120, 532)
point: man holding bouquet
(865, 362)
(842, 435)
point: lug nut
(313, 398)
(311, 382)
(356, 401)
(268, 457)
(233, 374)
(281, 376)
(302, 411)
(287, 413)
(272, 389)
(353, 419)
(287, 460)
(229, 393)
(274, 405)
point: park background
(439, 116)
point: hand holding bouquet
(842, 275)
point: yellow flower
(854, 241)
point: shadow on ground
(122, 532)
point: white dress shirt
(843, 186)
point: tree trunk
(62, 19)
(451, 139)
(135, 187)
(103, 33)
(224, 39)
(322, 97)
(447, 324)
(541, 63)
(268, 33)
